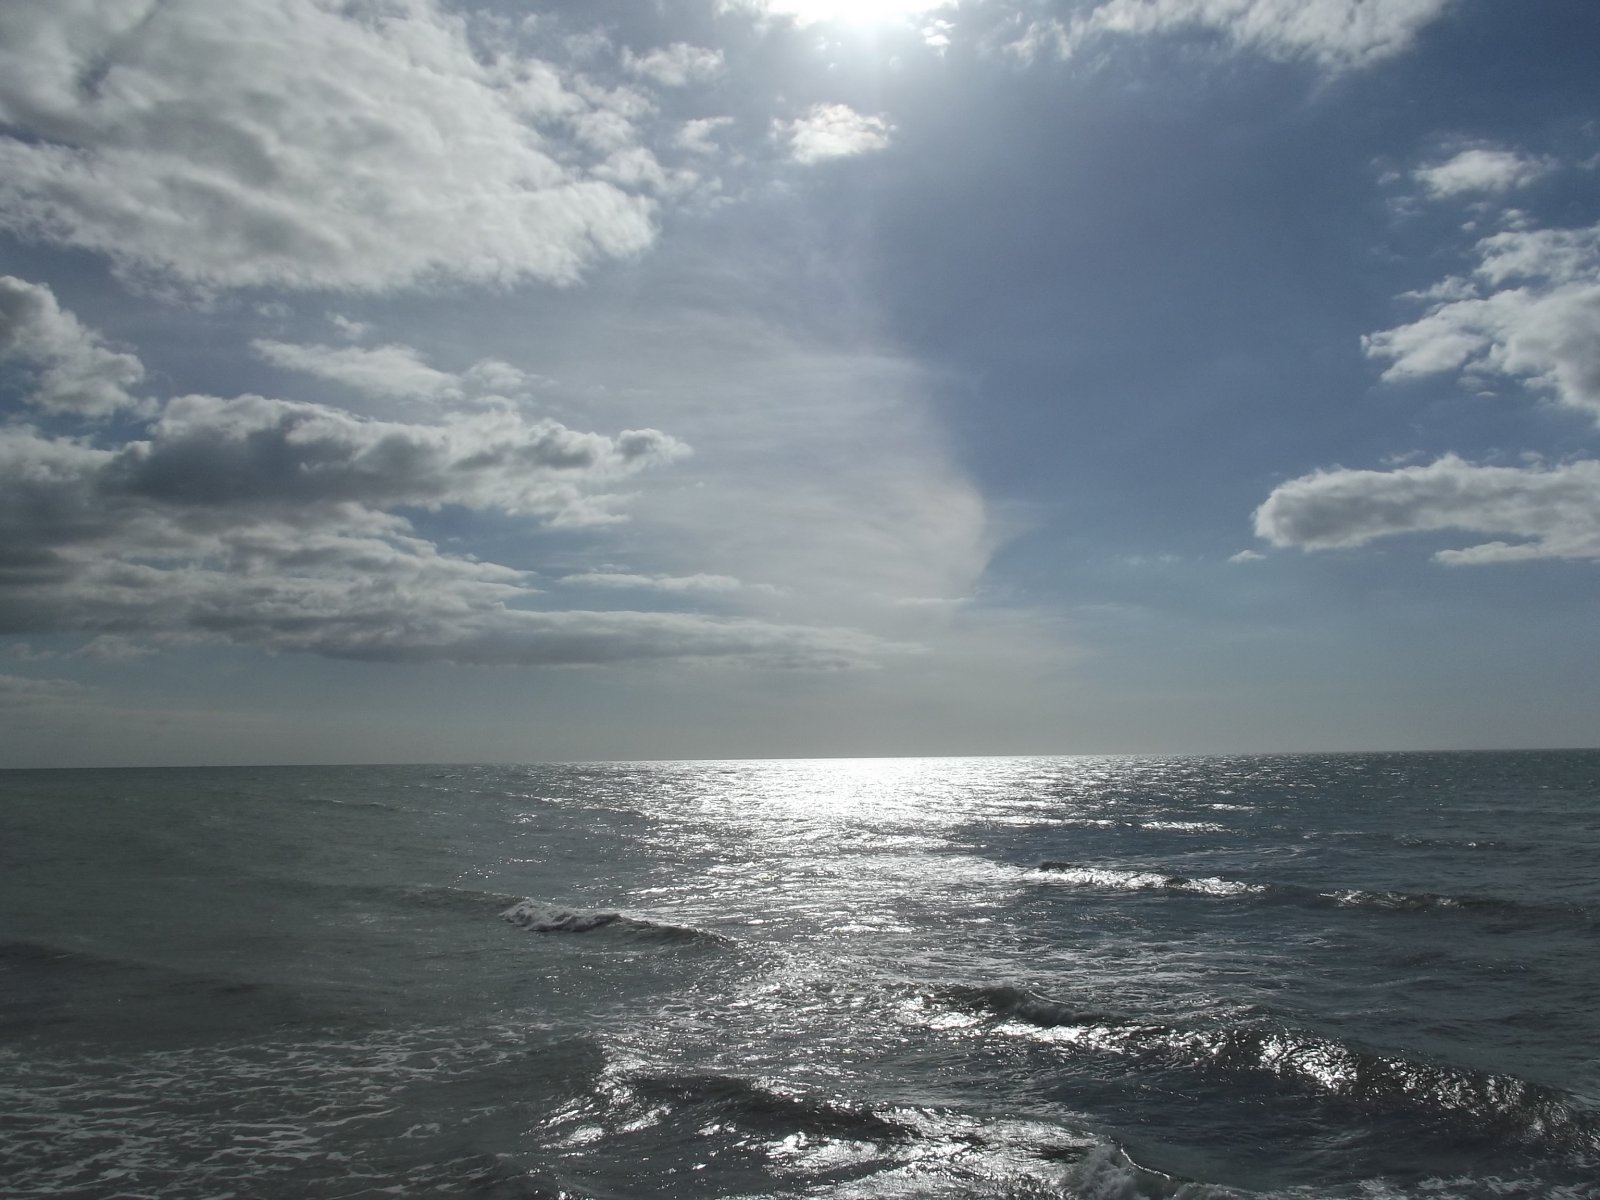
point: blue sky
(401, 380)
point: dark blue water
(1362, 976)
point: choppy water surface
(1335, 976)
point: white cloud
(1481, 169)
(395, 371)
(348, 328)
(1335, 34)
(1246, 556)
(698, 136)
(281, 525)
(385, 371)
(1553, 511)
(848, 12)
(832, 131)
(1530, 312)
(676, 65)
(75, 372)
(698, 583)
(301, 143)
(500, 378)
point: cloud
(1337, 35)
(1554, 510)
(76, 373)
(811, 12)
(25, 693)
(699, 583)
(676, 65)
(257, 451)
(1246, 556)
(383, 371)
(1530, 312)
(1481, 169)
(227, 525)
(357, 146)
(395, 371)
(698, 136)
(832, 131)
(282, 525)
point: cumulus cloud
(832, 131)
(699, 136)
(1529, 312)
(283, 525)
(74, 371)
(353, 145)
(1553, 511)
(1481, 170)
(676, 65)
(1336, 34)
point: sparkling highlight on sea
(1369, 977)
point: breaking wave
(1503, 1105)
(1124, 879)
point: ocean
(1350, 976)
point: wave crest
(537, 917)
(1515, 1109)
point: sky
(403, 380)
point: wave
(769, 1104)
(811, 1140)
(538, 917)
(1504, 1105)
(1125, 879)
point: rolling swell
(1508, 1108)
(537, 917)
(1091, 877)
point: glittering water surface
(1341, 976)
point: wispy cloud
(1481, 170)
(712, 584)
(1337, 35)
(676, 65)
(384, 371)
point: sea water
(1363, 976)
